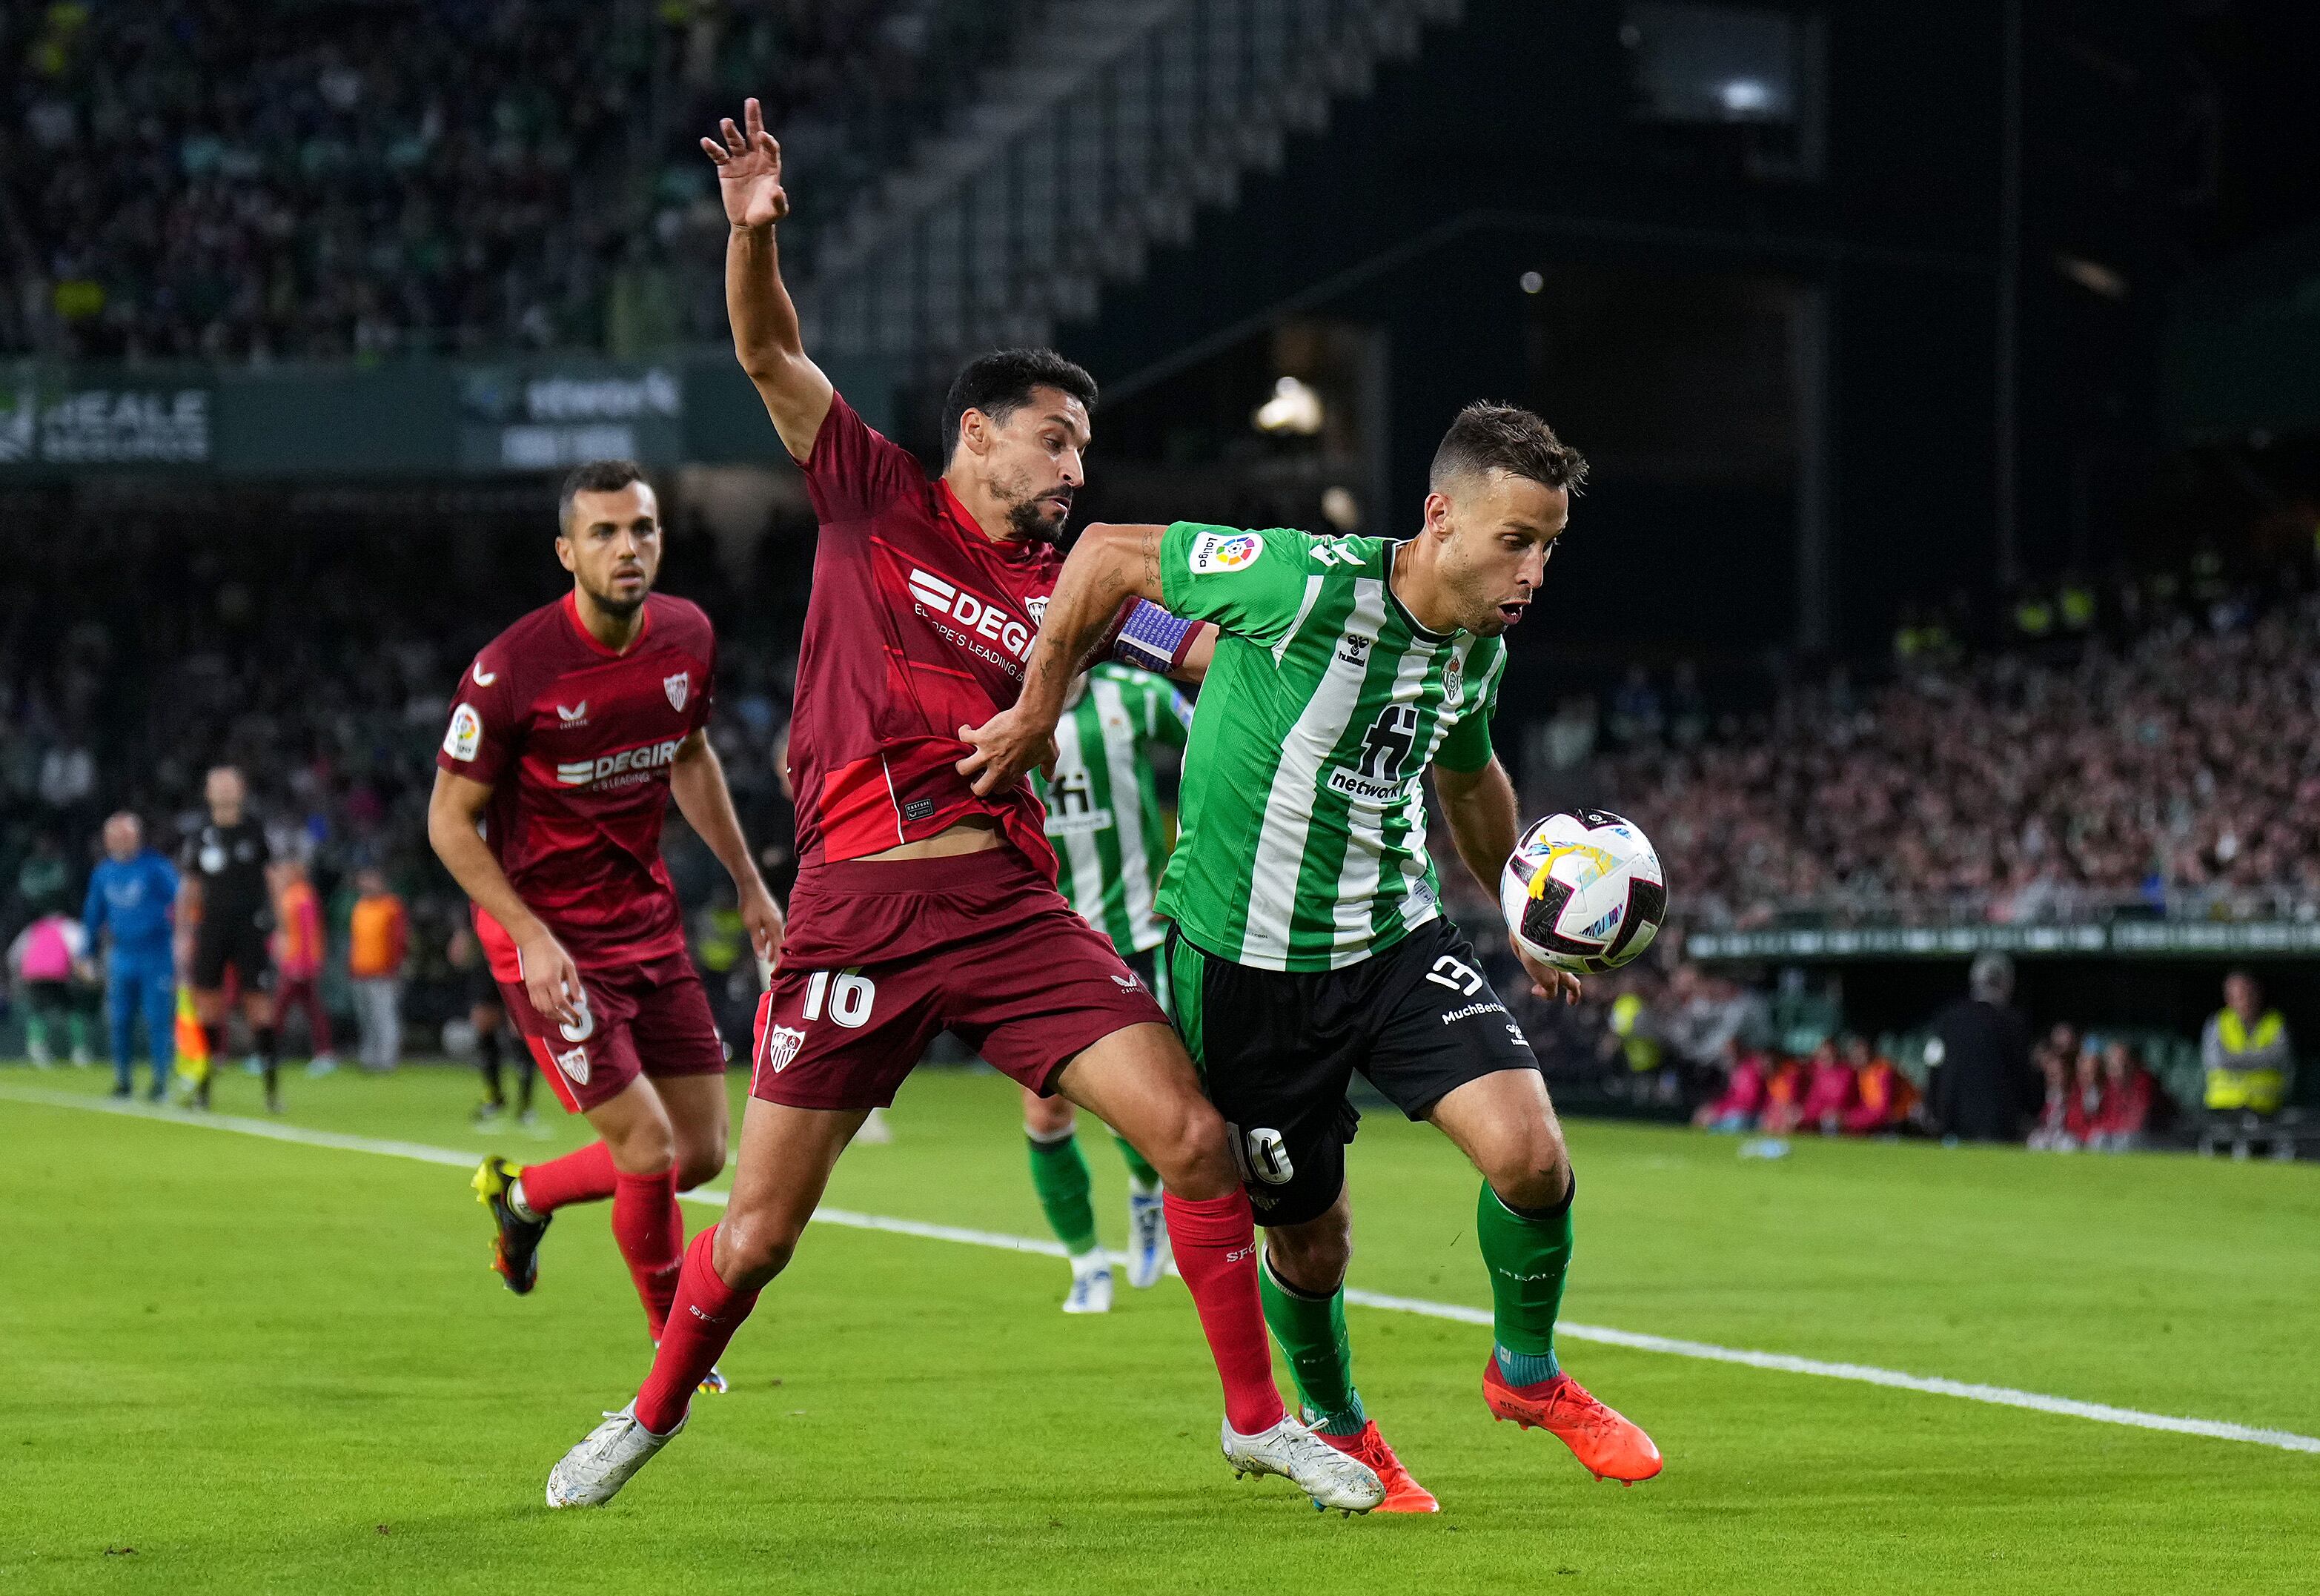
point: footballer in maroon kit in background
(568, 736)
(921, 906)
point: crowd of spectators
(254, 179)
(2168, 765)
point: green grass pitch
(238, 1364)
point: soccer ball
(1583, 892)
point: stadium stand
(2032, 784)
(235, 182)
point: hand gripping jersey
(918, 625)
(577, 743)
(1103, 804)
(1303, 820)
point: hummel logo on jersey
(679, 687)
(1354, 648)
(576, 1065)
(979, 617)
(484, 678)
(574, 716)
(637, 762)
(782, 1045)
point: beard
(1029, 521)
(622, 607)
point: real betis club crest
(678, 687)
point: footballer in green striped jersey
(1111, 840)
(1103, 800)
(1308, 939)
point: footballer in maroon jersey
(920, 905)
(568, 736)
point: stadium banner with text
(2143, 938)
(391, 419)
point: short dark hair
(1000, 383)
(1488, 437)
(595, 476)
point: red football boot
(1608, 1444)
(1402, 1494)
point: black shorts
(1277, 1049)
(477, 986)
(237, 943)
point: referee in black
(225, 920)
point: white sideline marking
(2001, 1396)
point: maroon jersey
(576, 743)
(918, 625)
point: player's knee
(1528, 1167)
(752, 1248)
(1046, 1117)
(1312, 1257)
(698, 1165)
(645, 1149)
(1188, 1147)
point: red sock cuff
(704, 1288)
(585, 1175)
(1212, 1221)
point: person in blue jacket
(133, 897)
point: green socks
(1141, 1175)
(1528, 1253)
(1311, 1331)
(1060, 1176)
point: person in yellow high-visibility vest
(2246, 1051)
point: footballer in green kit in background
(1307, 937)
(1111, 838)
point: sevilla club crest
(782, 1045)
(678, 687)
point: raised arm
(765, 336)
(1480, 807)
(1109, 564)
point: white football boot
(1091, 1285)
(1297, 1455)
(593, 1473)
(1147, 1241)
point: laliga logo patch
(466, 733)
(782, 1045)
(576, 1065)
(678, 687)
(1223, 552)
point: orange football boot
(1608, 1444)
(1402, 1494)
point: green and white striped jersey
(1103, 807)
(1303, 818)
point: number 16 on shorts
(844, 997)
(849, 994)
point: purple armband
(1152, 639)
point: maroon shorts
(645, 1019)
(883, 958)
